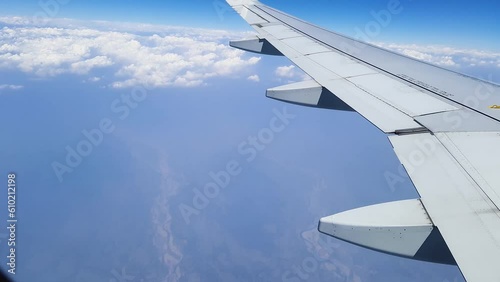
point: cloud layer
(290, 74)
(177, 57)
(254, 78)
(10, 86)
(124, 55)
(446, 56)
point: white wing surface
(444, 127)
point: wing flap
(304, 45)
(462, 120)
(466, 217)
(472, 93)
(250, 16)
(280, 31)
(385, 117)
(379, 113)
(477, 153)
(409, 100)
(384, 106)
(341, 65)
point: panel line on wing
(449, 140)
(375, 54)
(457, 205)
(453, 172)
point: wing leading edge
(442, 126)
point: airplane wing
(444, 127)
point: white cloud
(183, 57)
(11, 87)
(446, 56)
(417, 55)
(291, 74)
(285, 71)
(162, 56)
(84, 67)
(254, 77)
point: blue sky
(461, 23)
(118, 212)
